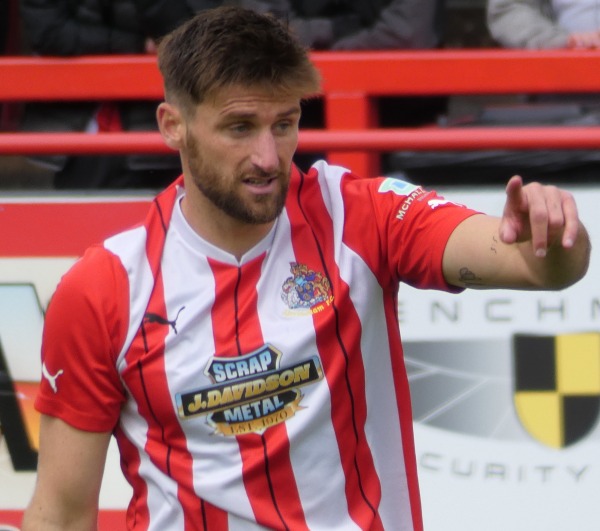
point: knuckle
(538, 214)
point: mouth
(259, 181)
(260, 184)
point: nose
(265, 154)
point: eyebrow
(248, 115)
(294, 110)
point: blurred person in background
(69, 28)
(523, 24)
(358, 25)
(9, 45)
(4, 17)
(543, 24)
(159, 17)
(552, 24)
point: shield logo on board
(557, 386)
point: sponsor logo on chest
(249, 393)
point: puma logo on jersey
(51, 377)
(155, 318)
(434, 203)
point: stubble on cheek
(228, 194)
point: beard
(225, 191)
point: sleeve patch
(397, 186)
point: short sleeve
(401, 229)
(84, 330)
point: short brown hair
(234, 46)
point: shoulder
(90, 309)
(94, 283)
(97, 261)
(345, 190)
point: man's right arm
(523, 24)
(70, 468)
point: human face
(238, 149)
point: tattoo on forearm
(468, 278)
(493, 246)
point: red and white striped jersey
(268, 392)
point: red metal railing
(368, 141)
(352, 83)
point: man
(545, 24)
(70, 28)
(243, 344)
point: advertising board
(505, 384)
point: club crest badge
(306, 289)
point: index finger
(514, 198)
(511, 224)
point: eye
(283, 126)
(239, 128)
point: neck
(220, 229)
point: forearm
(476, 257)
(39, 515)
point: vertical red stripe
(338, 340)
(225, 328)
(137, 516)
(270, 482)
(156, 223)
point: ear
(171, 124)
